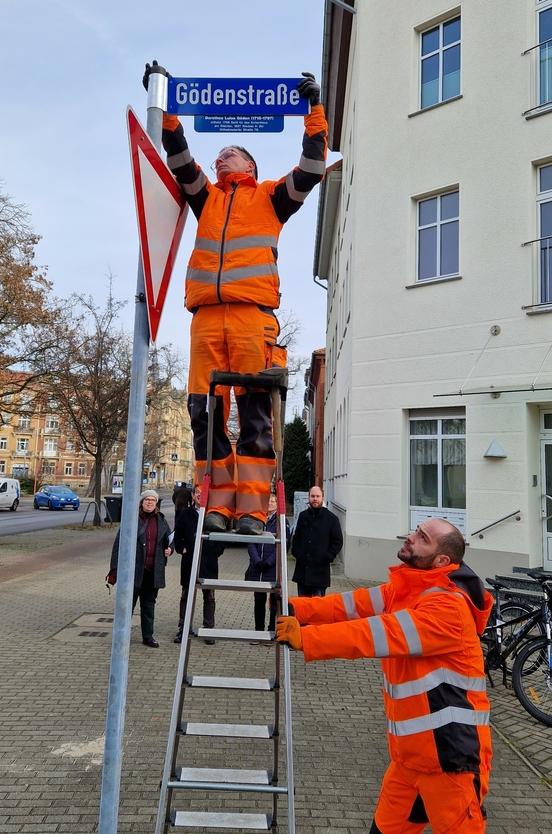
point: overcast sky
(70, 69)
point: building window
(440, 63)
(69, 445)
(3, 442)
(50, 446)
(2, 467)
(68, 468)
(82, 470)
(438, 468)
(545, 55)
(438, 234)
(51, 424)
(48, 468)
(22, 444)
(544, 208)
(24, 422)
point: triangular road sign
(161, 210)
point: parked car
(9, 493)
(56, 498)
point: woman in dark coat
(262, 568)
(152, 549)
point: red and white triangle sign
(161, 211)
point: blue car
(56, 498)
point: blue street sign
(238, 124)
(236, 97)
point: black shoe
(151, 642)
(215, 523)
(249, 526)
(178, 636)
(209, 641)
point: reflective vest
(424, 626)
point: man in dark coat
(185, 528)
(152, 549)
(317, 539)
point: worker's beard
(414, 560)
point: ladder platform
(207, 819)
(237, 585)
(241, 538)
(214, 682)
(235, 634)
(191, 728)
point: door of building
(546, 502)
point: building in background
(315, 376)
(435, 240)
(168, 449)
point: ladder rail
(179, 689)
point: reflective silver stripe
(448, 715)
(376, 598)
(437, 590)
(250, 242)
(410, 631)
(254, 271)
(381, 647)
(204, 276)
(195, 186)
(312, 166)
(431, 681)
(177, 160)
(350, 607)
(207, 245)
(298, 196)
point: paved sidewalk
(53, 691)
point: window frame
(542, 198)
(456, 15)
(22, 444)
(438, 224)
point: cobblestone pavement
(53, 691)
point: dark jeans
(208, 607)
(147, 595)
(260, 611)
(309, 591)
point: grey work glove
(309, 88)
(153, 67)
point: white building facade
(435, 239)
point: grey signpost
(118, 675)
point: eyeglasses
(227, 153)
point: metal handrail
(516, 513)
(98, 510)
(537, 240)
(536, 46)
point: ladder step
(237, 585)
(241, 538)
(190, 728)
(213, 682)
(235, 634)
(223, 774)
(207, 819)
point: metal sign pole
(118, 675)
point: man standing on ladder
(232, 289)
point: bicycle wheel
(532, 679)
(511, 611)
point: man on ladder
(232, 289)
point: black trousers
(208, 607)
(310, 591)
(147, 595)
(260, 611)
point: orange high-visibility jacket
(240, 220)
(424, 625)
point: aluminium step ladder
(178, 778)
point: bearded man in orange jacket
(424, 625)
(232, 289)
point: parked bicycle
(518, 640)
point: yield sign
(161, 210)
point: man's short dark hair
(453, 545)
(247, 156)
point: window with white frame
(440, 63)
(24, 422)
(48, 468)
(69, 445)
(438, 467)
(544, 50)
(2, 467)
(3, 442)
(82, 470)
(438, 221)
(50, 446)
(68, 468)
(22, 444)
(544, 209)
(51, 423)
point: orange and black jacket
(424, 626)
(239, 219)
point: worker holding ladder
(232, 289)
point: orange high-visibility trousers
(240, 338)
(450, 803)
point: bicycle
(532, 669)
(506, 630)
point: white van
(9, 493)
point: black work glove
(309, 88)
(154, 67)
